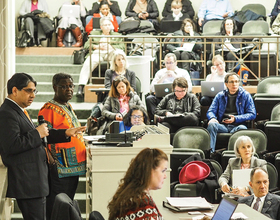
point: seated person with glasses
(136, 115)
(165, 75)
(121, 98)
(217, 74)
(179, 103)
(230, 109)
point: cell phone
(226, 116)
(143, 12)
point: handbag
(79, 56)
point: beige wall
(236, 4)
(7, 44)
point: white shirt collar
(261, 202)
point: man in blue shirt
(214, 10)
(230, 109)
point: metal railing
(259, 54)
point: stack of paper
(187, 203)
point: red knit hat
(194, 171)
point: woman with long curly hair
(146, 172)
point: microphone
(123, 144)
(41, 120)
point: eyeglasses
(30, 91)
(179, 91)
(170, 63)
(219, 64)
(232, 82)
(136, 116)
(64, 87)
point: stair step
(47, 68)
(39, 51)
(47, 77)
(46, 96)
(81, 185)
(62, 59)
(47, 86)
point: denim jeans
(215, 128)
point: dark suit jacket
(271, 206)
(23, 153)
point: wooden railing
(260, 54)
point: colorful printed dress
(147, 211)
(70, 157)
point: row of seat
(194, 140)
(253, 27)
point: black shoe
(80, 92)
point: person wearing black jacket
(22, 149)
(114, 9)
(187, 9)
(188, 30)
(144, 10)
(179, 108)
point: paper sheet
(186, 46)
(188, 202)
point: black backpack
(129, 25)
(23, 38)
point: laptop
(96, 23)
(211, 89)
(168, 26)
(70, 11)
(162, 89)
(225, 209)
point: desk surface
(99, 90)
(246, 210)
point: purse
(79, 56)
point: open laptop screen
(162, 89)
(225, 210)
(211, 88)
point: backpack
(23, 38)
(129, 25)
(96, 126)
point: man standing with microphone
(22, 149)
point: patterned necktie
(257, 204)
(27, 115)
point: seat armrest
(191, 150)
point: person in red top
(132, 200)
(104, 9)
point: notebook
(211, 88)
(70, 11)
(168, 26)
(162, 89)
(225, 209)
